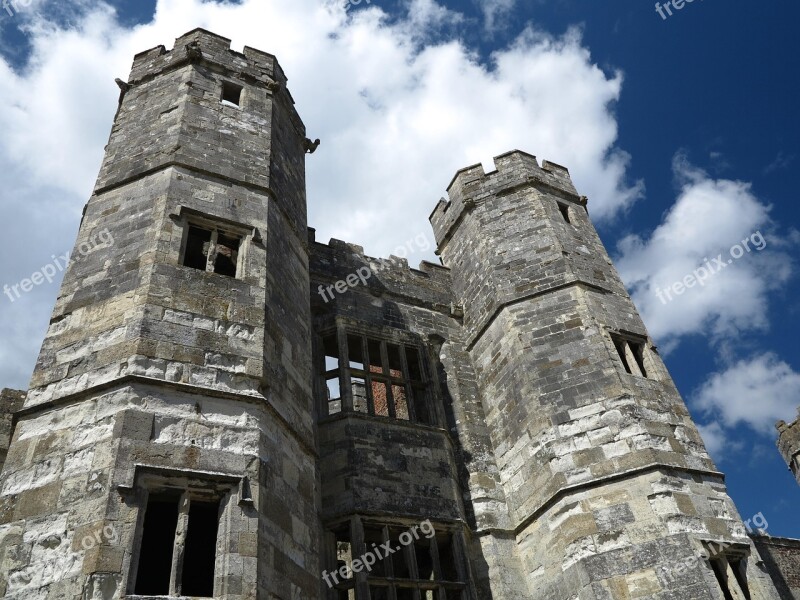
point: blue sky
(683, 133)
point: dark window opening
(738, 566)
(378, 592)
(197, 246)
(227, 255)
(424, 554)
(721, 574)
(157, 545)
(231, 93)
(201, 550)
(638, 354)
(212, 250)
(621, 345)
(425, 569)
(564, 209)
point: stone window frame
(226, 86)
(728, 563)
(632, 352)
(361, 584)
(342, 332)
(229, 491)
(246, 234)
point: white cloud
(756, 392)
(397, 113)
(495, 11)
(708, 219)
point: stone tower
(170, 408)
(226, 408)
(608, 485)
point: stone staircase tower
(610, 489)
(171, 402)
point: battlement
(514, 169)
(201, 46)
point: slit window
(564, 210)
(379, 378)
(178, 548)
(212, 250)
(231, 94)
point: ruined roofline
(396, 264)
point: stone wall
(10, 402)
(789, 445)
(781, 558)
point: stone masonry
(789, 445)
(225, 407)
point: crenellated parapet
(203, 47)
(513, 171)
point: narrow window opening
(360, 401)
(425, 565)
(197, 247)
(373, 537)
(638, 353)
(620, 345)
(344, 552)
(378, 592)
(739, 571)
(720, 571)
(201, 550)
(356, 352)
(447, 559)
(400, 558)
(333, 398)
(158, 540)
(404, 593)
(231, 94)
(564, 209)
(227, 255)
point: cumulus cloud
(400, 104)
(711, 225)
(757, 392)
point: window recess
(632, 352)
(365, 374)
(178, 547)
